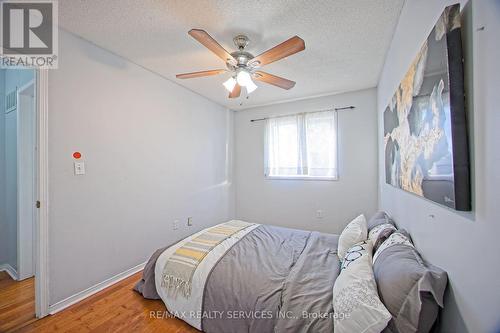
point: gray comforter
(273, 280)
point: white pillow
(356, 304)
(355, 232)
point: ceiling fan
(242, 65)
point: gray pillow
(411, 289)
(379, 218)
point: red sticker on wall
(77, 155)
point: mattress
(260, 279)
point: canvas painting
(425, 127)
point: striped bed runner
(180, 267)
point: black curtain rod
(336, 109)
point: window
(302, 146)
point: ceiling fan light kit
(251, 87)
(242, 65)
(229, 84)
(243, 77)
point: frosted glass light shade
(229, 84)
(251, 87)
(243, 78)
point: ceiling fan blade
(274, 80)
(236, 91)
(200, 74)
(285, 49)
(204, 38)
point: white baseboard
(10, 270)
(61, 305)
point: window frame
(303, 177)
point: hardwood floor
(115, 309)
(17, 302)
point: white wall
(154, 152)
(11, 187)
(3, 217)
(464, 244)
(10, 78)
(17, 78)
(293, 203)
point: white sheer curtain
(302, 146)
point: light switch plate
(79, 168)
(190, 221)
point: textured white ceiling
(346, 40)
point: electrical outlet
(175, 225)
(190, 221)
(319, 214)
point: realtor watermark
(29, 34)
(258, 315)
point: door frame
(26, 130)
(42, 194)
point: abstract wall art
(425, 125)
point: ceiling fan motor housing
(240, 57)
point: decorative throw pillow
(379, 218)
(380, 233)
(356, 305)
(394, 239)
(411, 289)
(353, 233)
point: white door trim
(42, 187)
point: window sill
(302, 178)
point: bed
(260, 279)
(248, 277)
